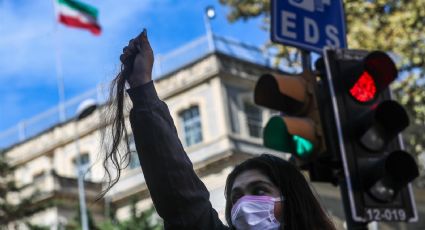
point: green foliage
(108, 225)
(36, 227)
(395, 26)
(75, 224)
(410, 92)
(145, 220)
(141, 221)
(13, 211)
(391, 25)
(137, 221)
(246, 9)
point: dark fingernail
(144, 32)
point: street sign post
(308, 24)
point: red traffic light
(377, 72)
(364, 89)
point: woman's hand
(138, 58)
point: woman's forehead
(248, 176)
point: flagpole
(59, 70)
(61, 90)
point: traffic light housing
(297, 129)
(377, 171)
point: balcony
(53, 186)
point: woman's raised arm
(179, 196)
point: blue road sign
(308, 24)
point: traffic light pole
(377, 171)
(351, 225)
(305, 60)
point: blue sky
(29, 36)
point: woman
(264, 192)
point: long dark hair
(116, 144)
(115, 141)
(301, 209)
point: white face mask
(255, 213)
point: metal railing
(164, 64)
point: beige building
(211, 101)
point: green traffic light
(303, 147)
(276, 136)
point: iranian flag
(77, 14)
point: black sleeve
(179, 196)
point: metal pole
(306, 60)
(210, 36)
(81, 194)
(351, 225)
(59, 72)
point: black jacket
(179, 196)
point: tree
(141, 221)
(397, 26)
(18, 209)
(410, 92)
(37, 227)
(75, 224)
(137, 221)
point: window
(134, 158)
(85, 166)
(192, 129)
(254, 119)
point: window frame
(248, 120)
(248, 98)
(182, 125)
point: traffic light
(297, 130)
(377, 171)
